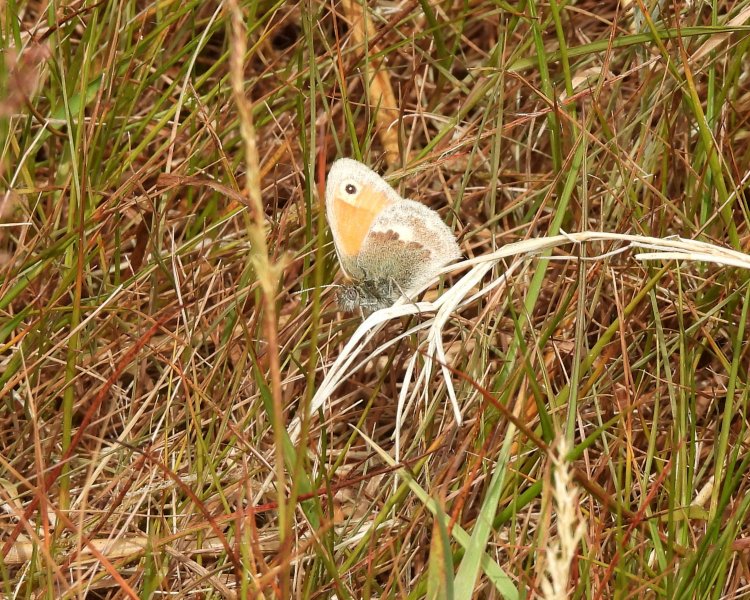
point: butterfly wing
(406, 245)
(355, 196)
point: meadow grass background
(163, 315)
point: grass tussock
(183, 412)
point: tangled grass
(183, 411)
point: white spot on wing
(404, 232)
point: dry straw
(464, 293)
(570, 528)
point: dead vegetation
(165, 325)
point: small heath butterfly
(387, 245)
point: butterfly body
(387, 245)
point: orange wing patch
(353, 218)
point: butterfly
(388, 246)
